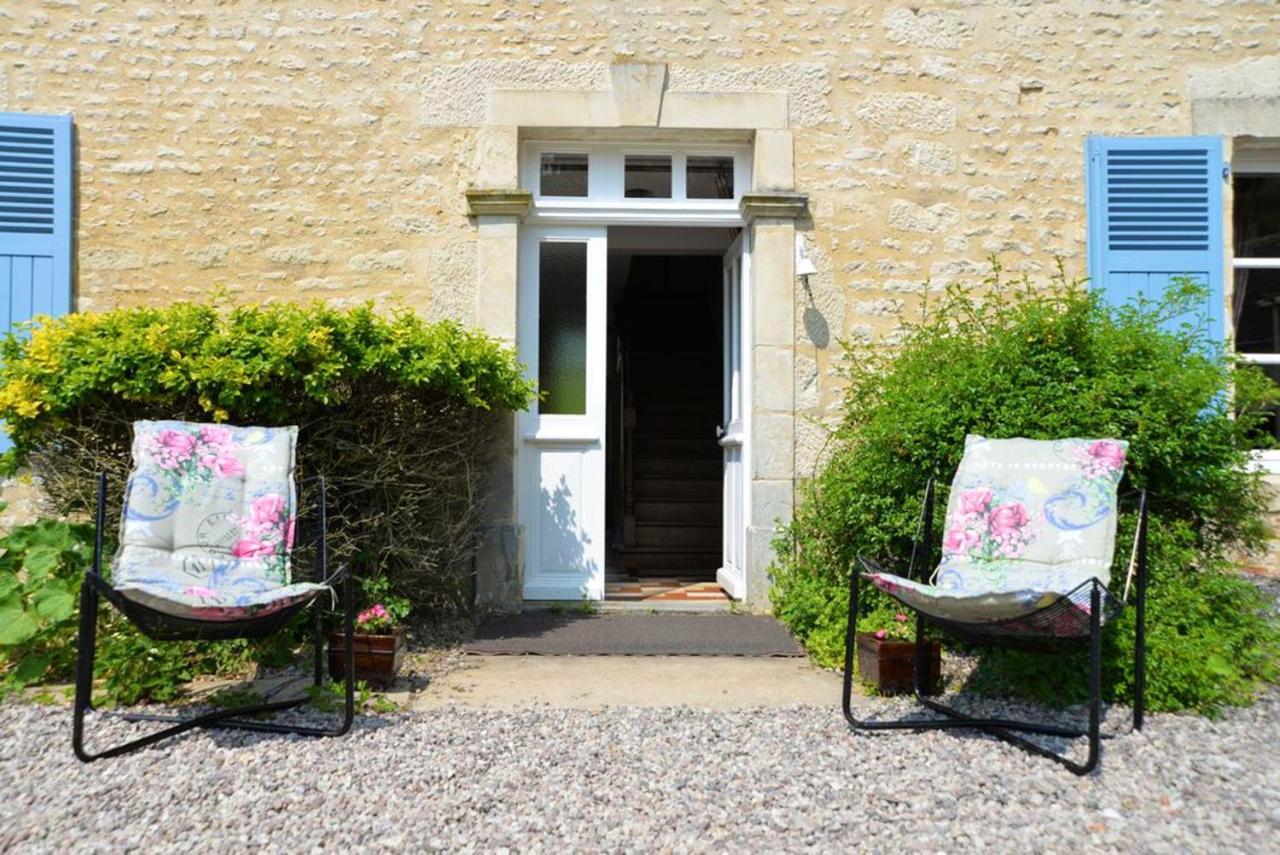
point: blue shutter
(1154, 213)
(35, 219)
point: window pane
(1257, 216)
(709, 178)
(563, 175)
(648, 176)
(1268, 432)
(1257, 307)
(562, 328)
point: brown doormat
(546, 634)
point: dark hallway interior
(665, 401)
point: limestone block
(496, 260)
(637, 92)
(773, 378)
(771, 503)
(495, 157)
(773, 165)
(908, 111)
(773, 284)
(772, 446)
(911, 217)
(926, 28)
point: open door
(561, 438)
(732, 574)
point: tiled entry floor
(663, 589)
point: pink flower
(198, 591)
(881, 634)
(250, 548)
(900, 617)
(374, 612)
(1008, 519)
(975, 501)
(173, 447)
(1107, 452)
(267, 510)
(215, 434)
(226, 465)
(954, 540)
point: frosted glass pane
(648, 176)
(563, 175)
(562, 328)
(709, 177)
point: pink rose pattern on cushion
(986, 527)
(267, 533)
(194, 455)
(1102, 459)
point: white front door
(560, 439)
(732, 575)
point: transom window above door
(633, 182)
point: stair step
(686, 513)
(672, 489)
(678, 537)
(677, 445)
(665, 562)
(667, 468)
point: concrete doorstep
(592, 682)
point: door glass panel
(562, 328)
(563, 175)
(648, 176)
(709, 177)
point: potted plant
(887, 654)
(378, 644)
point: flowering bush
(375, 619)
(1050, 362)
(887, 623)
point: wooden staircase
(670, 326)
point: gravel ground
(631, 780)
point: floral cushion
(208, 520)
(1027, 521)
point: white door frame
(731, 575)
(566, 450)
(587, 218)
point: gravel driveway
(633, 780)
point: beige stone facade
(293, 151)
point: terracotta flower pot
(889, 665)
(378, 657)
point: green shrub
(1054, 362)
(41, 569)
(398, 414)
(40, 572)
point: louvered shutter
(35, 218)
(1154, 213)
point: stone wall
(285, 151)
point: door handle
(720, 431)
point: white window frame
(1255, 162)
(605, 202)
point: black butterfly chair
(1072, 621)
(162, 626)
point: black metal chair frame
(999, 727)
(164, 627)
